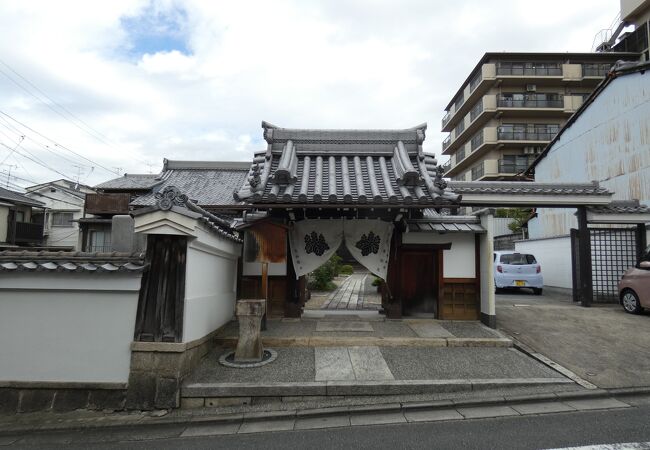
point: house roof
(18, 198)
(358, 167)
(621, 207)
(44, 261)
(130, 182)
(64, 185)
(620, 69)
(527, 188)
(209, 184)
(535, 56)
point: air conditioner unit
(531, 87)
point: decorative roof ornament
(438, 181)
(169, 197)
(254, 180)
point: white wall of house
(58, 200)
(4, 221)
(554, 255)
(67, 327)
(609, 143)
(459, 262)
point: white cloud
(323, 64)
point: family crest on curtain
(314, 241)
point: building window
(477, 171)
(531, 100)
(20, 216)
(100, 241)
(61, 219)
(529, 68)
(459, 102)
(515, 164)
(527, 132)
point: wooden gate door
(419, 281)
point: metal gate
(613, 251)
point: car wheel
(537, 291)
(630, 302)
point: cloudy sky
(89, 89)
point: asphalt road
(602, 344)
(520, 432)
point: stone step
(221, 394)
(364, 341)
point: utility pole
(79, 170)
(11, 166)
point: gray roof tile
(17, 197)
(131, 181)
(344, 166)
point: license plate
(520, 283)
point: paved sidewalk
(149, 428)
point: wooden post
(265, 291)
(641, 241)
(584, 258)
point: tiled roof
(22, 261)
(209, 184)
(134, 181)
(621, 207)
(433, 221)
(17, 197)
(526, 188)
(346, 167)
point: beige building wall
(4, 217)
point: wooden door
(419, 281)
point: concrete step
(364, 341)
(196, 395)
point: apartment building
(633, 13)
(512, 105)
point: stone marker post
(249, 313)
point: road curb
(140, 421)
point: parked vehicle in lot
(514, 270)
(634, 286)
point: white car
(517, 270)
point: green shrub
(321, 278)
(346, 269)
(377, 281)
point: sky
(90, 90)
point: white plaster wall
(459, 262)
(4, 217)
(210, 285)
(554, 255)
(67, 327)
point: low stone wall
(60, 397)
(158, 368)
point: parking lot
(601, 344)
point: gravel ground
(450, 363)
(293, 364)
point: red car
(634, 286)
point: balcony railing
(477, 140)
(595, 70)
(475, 81)
(446, 142)
(477, 172)
(446, 166)
(107, 203)
(460, 155)
(476, 111)
(26, 232)
(530, 71)
(525, 135)
(512, 167)
(445, 120)
(532, 103)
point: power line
(93, 132)
(55, 142)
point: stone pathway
(350, 295)
(351, 363)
